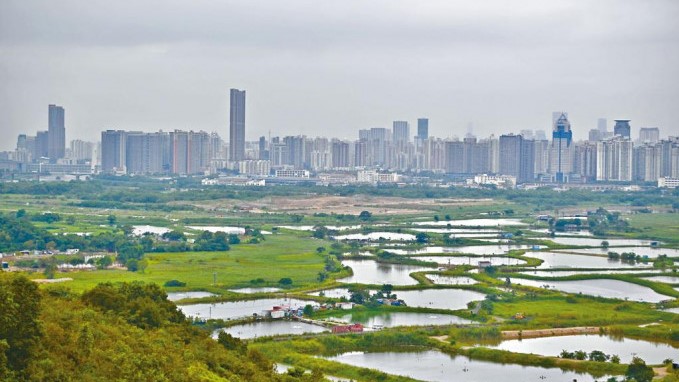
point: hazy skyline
(332, 68)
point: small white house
(277, 314)
(344, 305)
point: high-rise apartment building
(527, 161)
(41, 145)
(340, 154)
(602, 126)
(147, 153)
(649, 135)
(401, 132)
(647, 162)
(614, 159)
(423, 128)
(237, 125)
(56, 141)
(510, 154)
(670, 157)
(81, 150)
(113, 151)
(584, 162)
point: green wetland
(435, 301)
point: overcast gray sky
(332, 67)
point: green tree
(638, 371)
(132, 265)
(20, 330)
(104, 262)
(365, 215)
(308, 310)
(285, 281)
(50, 268)
(421, 238)
(174, 235)
(231, 343)
(142, 265)
(111, 220)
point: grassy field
(559, 311)
(664, 226)
(277, 257)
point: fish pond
(270, 328)
(239, 309)
(436, 366)
(452, 299)
(569, 260)
(371, 272)
(394, 319)
(603, 288)
(651, 352)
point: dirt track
(509, 334)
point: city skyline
(339, 67)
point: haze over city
(331, 69)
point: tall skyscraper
(401, 132)
(614, 159)
(56, 132)
(510, 154)
(423, 128)
(237, 126)
(649, 135)
(41, 145)
(602, 126)
(622, 128)
(556, 115)
(113, 151)
(561, 148)
(263, 149)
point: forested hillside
(123, 332)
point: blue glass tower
(561, 140)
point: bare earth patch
(339, 204)
(550, 332)
(50, 281)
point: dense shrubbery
(126, 332)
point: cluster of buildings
(377, 154)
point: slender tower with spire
(562, 136)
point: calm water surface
(604, 288)
(471, 260)
(175, 296)
(474, 223)
(498, 249)
(569, 260)
(256, 290)
(393, 319)
(451, 280)
(436, 366)
(270, 328)
(652, 353)
(452, 299)
(597, 242)
(238, 309)
(375, 236)
(641, 251)
(371, 272)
